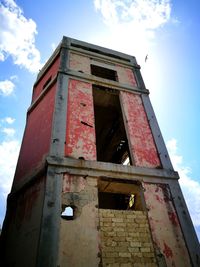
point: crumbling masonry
(94, 185)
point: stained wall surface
(164, 224)
(23, 226)
(79, 238)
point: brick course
(125, 239)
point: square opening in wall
(111, 140)
(119, 195)
(104, 73)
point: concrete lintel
(98, 49)
(100, 81)
(188, 230)
(95, 168)
(157, 135)
(50, 223)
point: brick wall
(125, 239)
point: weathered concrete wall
(79, 238)
(125, 239)
(51, 72)
(126, 76)
(143, 149)
(79, 63)
(37, 136)
(21, 235)
(164, 224)
(80, 135)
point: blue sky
(168, 31)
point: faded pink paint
(37, 136)
(143, 148)
(164, 224)
(72, 183)
(126, 76)
(80, 135)
(79, 63)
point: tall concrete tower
(94, 185)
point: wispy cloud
(8, 150)
(10, 132)
(17, 37)
(8, 120)
(190, 187)
(6, 87)
(133, 24)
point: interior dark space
(111, 140)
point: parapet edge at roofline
(98, 49)
(68, 42)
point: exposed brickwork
(125, 239)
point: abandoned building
(94, 184)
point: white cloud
(132, 24)
(9, 151)
(53, 46)
(190, 187)
(10, 132)
(6, 87)
(17, 37)
(8, 120)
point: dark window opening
(104, 73)
(120, 195)
(116, 201)
(111, 140)
(47, 82)
(67, 213)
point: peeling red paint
(80, 135)
(73, 183)
(173, 218)
(52, 71)
(165, 228)
(142, 144)
(167, 251)
(158, 199)
(37, 135)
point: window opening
(104, 72)
(119, 195)
(111, 139)
(131, 201)
(67, 213)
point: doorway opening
(111, 140)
